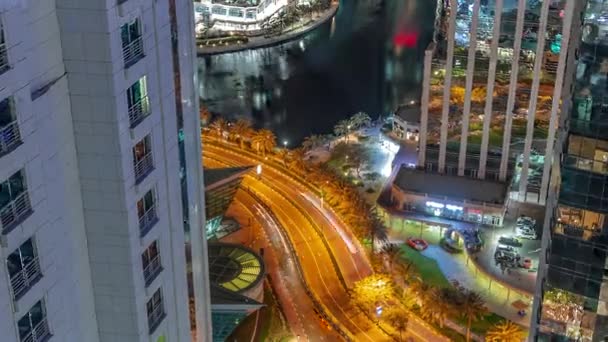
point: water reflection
(352, 63)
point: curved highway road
(300, 213)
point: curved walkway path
(261, 41)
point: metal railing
(147, 220)
(152, 269)
(3, 58)
(143, 166)
(156, 317)
(15, 211)
(133, 52)
(10, 137)
(40, 332)
(138, 111)
(26, 278)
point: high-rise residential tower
(100, 175)
(492, 83)
(571, 302)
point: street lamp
(258, 170)
(285, 143)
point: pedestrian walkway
(498, 298)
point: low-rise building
(453, 197)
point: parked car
(417, 244)
(523, 233)
(526, 220)
(509, 241)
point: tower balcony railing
(3, 58)
(10, 137)
(26, 278)
(14, 212)
(40, 333)
(138, 111)
(143, 167)
(156, 317)
(152, 270)
(133, 52)
(147, 221)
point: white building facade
(98, 116)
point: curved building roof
(234, 267)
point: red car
(417, 244)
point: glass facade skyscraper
(572, 291)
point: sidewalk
(261, 41)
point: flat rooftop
(452, 187)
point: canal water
(368, 58)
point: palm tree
(342, 128)
(240, 131)
(219, 126)
(472, 308)
(263, 141)
(437, 305)
(205, 115)
(399, 319)
(377, 230)
(297, 160)
(360, 119)
(505, 331)
(312, 142)
(283, 154)
(392, 252)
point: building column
(562, 67)
(487, 113)
(466, 112)
(506, 140)
(447, 86)
(424, 103)
(538, 63)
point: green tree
(218, 127)
(472, 308)
(240, 131)
(360, 119)
(373, 290)
(398, 319)
(392, 252)
(263, 141)
(377, 230)
(342, 128)
(297, 160)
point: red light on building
(407, 39)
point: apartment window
(10, 137)
(151, 263)
(4, 66)
(137, 101)
(132, 43)
(23, 268)
(155, 310)
(143, 163)
(33, 326)
(146, 212)
(14, 202)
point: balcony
(138, 111)
(133, 52)
(26, 278)
(10, 138)
(147, 221)
(152, 270)
(40, 333)
(15, 212)
(143, 167)
(4, 66)
(155, 317)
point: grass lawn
(427, 268)
(482, 326)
